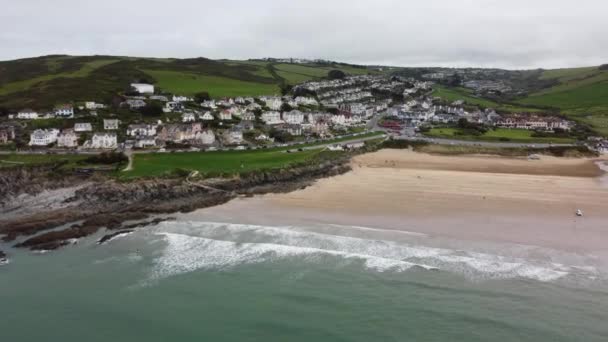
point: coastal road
(479, 143)
(353, 141)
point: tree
(603, 67)
(285, 107)
(152, 109)
(280, 136)
(336, 74)
(202, 97)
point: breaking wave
(202, 245)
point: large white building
(106, 140)
(137, 130)
(273, 103)
(293, 117)
(206, 137)
(43, 137)
(271, 118)
(143, 88)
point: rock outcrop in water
(3, 258)
(108, 203)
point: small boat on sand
(579, 212)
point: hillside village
(146, 118)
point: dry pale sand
(482, 198)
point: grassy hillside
(43, 82)
(582, 94)
(191, 83)
(453, 94)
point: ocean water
(210, 281)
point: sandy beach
(485, 198)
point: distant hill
(43, 82)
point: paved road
(480, 143)
(353, 141)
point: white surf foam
(186, 253)
(203, 245)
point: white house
(110, 124)
(273, 103)
(144, 141)
(83, 127)
(105, 140)
(226, 115)
(209, 104)
(306, 101)
(143, 88)
(65, 111)
(293, 117)
(248, 116)
(93, 105)
(188, 117)
(271, 118)
(175, 107)
(135, 103)
(137, 130)
(27, 114)
(233, 136)
(207, 117)
(182, 99)
(43, 137)
(68, 138)
(206, 137)
(293, 129)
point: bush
(336, 74)
(202, 97)
(106, 158)
(151, 109)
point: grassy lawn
(227, 162)
(86, 69)
(190, 83)
(514, 135)
(215, 163)
(9, 160)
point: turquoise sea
(206, 281)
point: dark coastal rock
(108, 204)
(3, 258)
(109, 237)
(32, 180)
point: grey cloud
(490, 33)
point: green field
(215, 163)
(10, 160)
(454, 94)
(228, 162)
(86, 69)
(190, 84)
(500, 134)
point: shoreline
(477, 198)
(399, 190)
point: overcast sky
(485, 33)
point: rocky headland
(119, 207)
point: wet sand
(479, 198)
